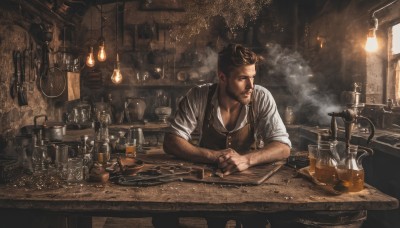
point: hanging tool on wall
(22, 98)
(31, 67)
(14, 79)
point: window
(394, 58)
(396, 39)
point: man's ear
(222, 77)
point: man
(231, 116)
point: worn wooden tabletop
(284, 191)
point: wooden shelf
(151, 86)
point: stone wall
(14, 36)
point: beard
(237, 96)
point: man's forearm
(272, 152)
(180, 147)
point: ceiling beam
(41, 10)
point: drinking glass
(61, 161)
(325, 166)
(130, 148)
(312, 156)
(61, 155)
(75, 169)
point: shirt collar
(218, 124)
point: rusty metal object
(98, 174)
(162, 174)
(130, 166)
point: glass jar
(102, 152)
(121, 141)
(325, 167)
(39, 157)
(351, 171)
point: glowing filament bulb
(372, 43)
(90, 58)
(101, 55)
(116, 77)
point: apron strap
(209, 107)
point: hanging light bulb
(90, 58)
(372, 43)
(116, 77)
(90, 62)
(101, 55)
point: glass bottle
(120, 146)
(87, 156)
(350, 171)
(111, 108)
(104, 122)
(22, 148)
(39, 157)
(102, 152)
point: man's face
(240, 83)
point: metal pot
(54, 132)
(350, 98)
(134, 109)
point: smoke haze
(297, 74)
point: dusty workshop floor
(109, 222)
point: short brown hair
(235, 55)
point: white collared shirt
(190, 115)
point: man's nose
(250, 84)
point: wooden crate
(73, 89)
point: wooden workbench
(284, 195)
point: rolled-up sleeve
(186, 117)
(270, 125)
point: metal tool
(31, 67)
(349, 117)
(148, 180)
(160, 175)
(22, 98)
(14, 79)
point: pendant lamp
(116, 77)
(101, 55)
(90, 62)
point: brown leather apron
(241, 140)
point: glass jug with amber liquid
(350, 171)
(325, 167)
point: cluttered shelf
(151, 86)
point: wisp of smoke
(297, 74)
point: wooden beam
(38, 8)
